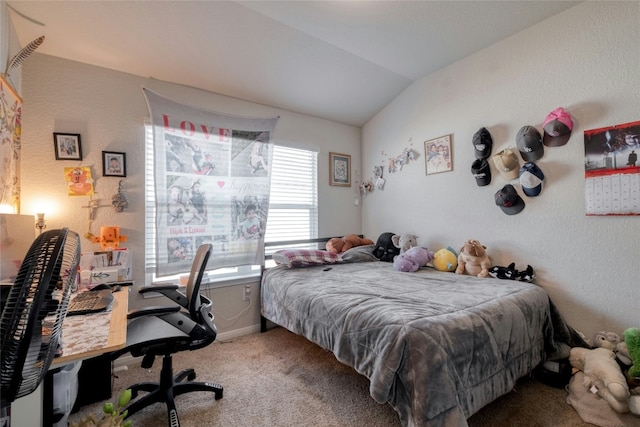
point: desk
(94, 334)
(83, 337)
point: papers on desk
(105, 267)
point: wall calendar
(612, 171)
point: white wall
(586, 60)
(108, 109)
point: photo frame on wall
(114, 164)
(438, 155)
(340, 169)
(67, 146)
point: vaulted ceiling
(339, 60)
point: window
(293, 205)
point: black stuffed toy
(510, 273)
(385, 250)
(506, 273)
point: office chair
(165, 330)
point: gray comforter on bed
(437, 346)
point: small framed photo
(438, 155)
(67, 146)
(114, 164)
(340, 169)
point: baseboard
(121, 363)
(237, 333)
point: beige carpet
(280, 379)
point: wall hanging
(67, 146)
(114, 164)
(79, 181)
(612, 173)
(438, 155)
(11, 129)
(340, 169)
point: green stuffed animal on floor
(632, 340)
(632, 344)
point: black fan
(31, 326)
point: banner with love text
(212, 180)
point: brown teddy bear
(341, 244)
(473, 259)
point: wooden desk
(83, 337)
(94, 334)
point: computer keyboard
(90, 302)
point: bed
(437, 346)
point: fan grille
(35, 309)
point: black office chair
(164, 330)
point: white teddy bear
(602, 376)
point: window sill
(209, 283)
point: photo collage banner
(212, 181)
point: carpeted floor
(280, 379)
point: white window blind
(293, 203)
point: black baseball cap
(509, 200)
(482, 172)
(482, 143)
(529, 143)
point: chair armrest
(153, 311)
(169, 291)
(158, 288)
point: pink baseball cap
(557, 128)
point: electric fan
(31, 325)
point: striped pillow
(304, 257)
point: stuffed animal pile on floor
(612, 369)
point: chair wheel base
(218, 390)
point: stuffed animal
(342, 244)
(412, 259)
(385, 250)
(527, 275)
(506, 273)
(604, 339)
(473, 259)
(404, 241)
(602, 375)
(632, 340)
(445, 259)
(613, 342)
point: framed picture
(114, 164)
(438, 155)
(340, 169)
(67, 146)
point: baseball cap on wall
(482, 172)
(482, 143)
(507, 164)
(557, 128)
(529, 143)
(531, 179)
(509, 200)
